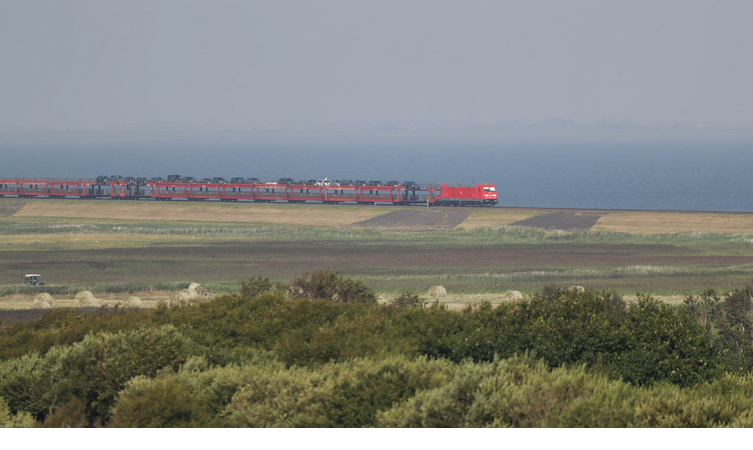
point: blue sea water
(700, 173)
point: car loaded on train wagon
(479, 195)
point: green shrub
(704, 309)
(65, 326)
(327, 284)
(347, 394)
(409, 300)
(161, 403)
(70, 415)
(21, 419)
(664, 345)
(520, 392)
(253, 287)
(93, 370)
(422, 392)
(734, 326)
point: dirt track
(412, 218)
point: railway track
(593, 211)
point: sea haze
(707, 173)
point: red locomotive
(479, 195)
(408, 193)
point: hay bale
(42, 305)
(132, 302)
(43, 298)
(437, 291)
(164, 301)
(381, 300)
(201, 290)
(179, 296)
(510, 296)
(186, 295)
(576, 288)
(86, 299)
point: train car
(201, 191)
(270, 192)
(124, 190)
(479, 195)
(339, 193)
(161, 190)
(7, 187)
(368, 195)
(65, 188)
(32, 188)
(232, 192)
(300, 193)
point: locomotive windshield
(490, 189)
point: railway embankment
(393, 218)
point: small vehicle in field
(33, 279)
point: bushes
(348, 394)
(254, 287)
(728, 320)
(522, 392)
(21, 419)
(397, 391)
(270, 360)
(409, 300)
(161, 403)
(64, 327)
(644, 344)
(93, 370)
(327, 284)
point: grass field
(292, 215)
(115, 248)
(657, 223)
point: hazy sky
(244, 64)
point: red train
(443, 195)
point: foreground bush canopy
(321, 352)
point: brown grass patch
(149, 300)
(325, 216)
(10, 206)
(658, 223)
(495, 218)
